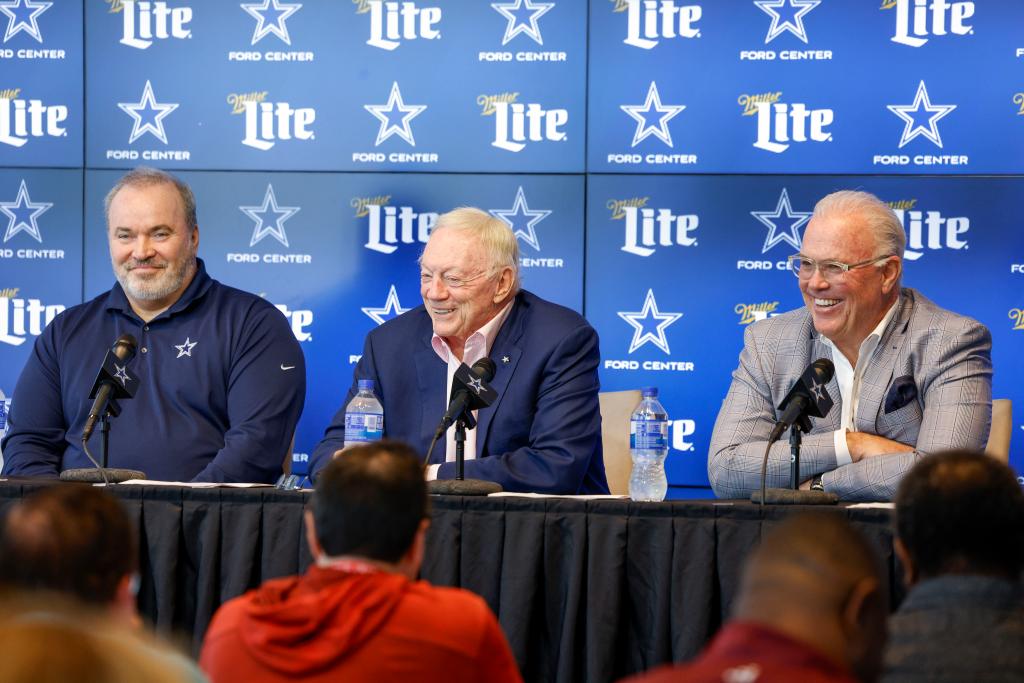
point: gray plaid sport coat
(928, 384)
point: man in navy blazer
(543, 433)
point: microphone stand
(793, 495)
(460, 486)
(113, 410)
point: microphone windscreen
(125, 346)
(484, 369)
(823, 370)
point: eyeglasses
(804, 267)
(450, 281)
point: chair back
(1002, 429)
(616, 409)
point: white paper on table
(879, 505)
(196, 484)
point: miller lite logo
(393, 22)
(21, 119)
(516, 123)
(929, 229)
(389, 226)
(916, 20)
(22, 317)
(1018, 99)
(750, 313)
(147, 20)
(648, 228)
(780, 124)
(650, 21)
(267, 122)
(1017, 316)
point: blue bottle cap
(366, 385)
(650, 392)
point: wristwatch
(816, 484)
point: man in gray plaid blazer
(911, 378)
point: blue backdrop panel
(41, 98)
(337, 252)
(696, 259)
(338, 86)
(40, 259)
(797, 87)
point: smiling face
(152, 248)
(849, 308)
(460, 289)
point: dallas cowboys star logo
(662, 114)
(518, 21)
(152, 111)
(794, 21)
(642, 318)
(520, 213)
(23, 213)
(269, 218)
(392, 308)
(383, 113)
(121, 374)
(787, 230)
(475, 384)
(23, 16)
(185, 349)
(271, 16)
(917, 124)
(818, 390)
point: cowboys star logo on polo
(148, 115)
(270, 16)
(269, 218)
(522, 18)
(185, 348)
(783, 223)
(23, 17)
(787, 15)
(643, 331)
(22, 214)
(385, 113)
(521, 219)
(652, 110)
(122, 374)
(391, 308)
(921, 117)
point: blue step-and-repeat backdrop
(657, 159)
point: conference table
(586, 590)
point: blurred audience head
(960, 512)
(816, 579)
(370, 502)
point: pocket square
(902, 392)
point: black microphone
(123, 350)
(469, 391)
(808, 398)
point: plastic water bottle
(364, 416)
(648, 446)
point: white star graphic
(258, 11)
(665, 114)
(147, 105)
(122, 374)
(272, 225)
(185, 349)
(515, 26)
(506, 360)
(23, 213)
(391, 309)
(518, 212)
(28, 22)
(408, 112)
(791, 233)
(934, 112)
(794, 24)
(818, 389)
(637, 320)
(475, 384)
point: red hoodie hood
(301, 624)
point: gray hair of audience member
(145, 176)
(870, 211)
(818, 580)
(500, 245)
(72, 538)
(960, 512)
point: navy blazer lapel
(506, 345)
(431, 380)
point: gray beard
(168, 282)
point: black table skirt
(585, 590)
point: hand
(866, 445)
(806, 485)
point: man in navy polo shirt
(221, 379)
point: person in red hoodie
(358, 614)
(811, 609)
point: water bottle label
(644, 435)
(362, 427)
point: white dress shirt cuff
(432, 472)
(843, 456)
